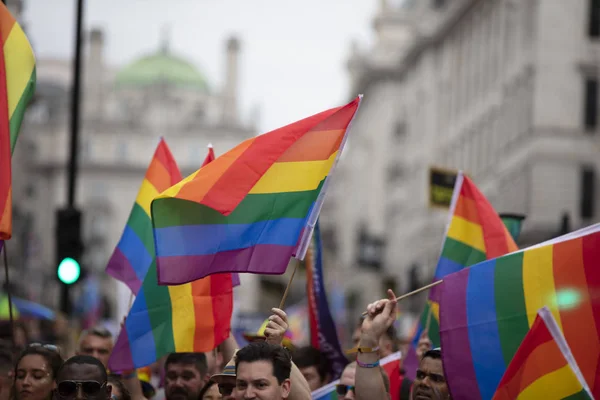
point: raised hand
(380, 316)
(276, 327)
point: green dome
(158, 68)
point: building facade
(505, 90)
(124, 113)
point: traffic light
(69, 250)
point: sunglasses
(70, 388)
(226, 390)
(343, 389)
(50, 347)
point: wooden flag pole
(7, 283)
(287, 289)
(416, 291)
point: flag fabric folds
(252, 208)
(134, 253)
(17, 85)
(323, 333)
(543, 366)
(474, 233)
(487, 310)
(195, 317)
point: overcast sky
(293, 53)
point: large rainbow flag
(17, 85)
(134, 253)
(474, 233)
(543, 366)
(488, 309)
(252, 208)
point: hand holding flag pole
(415, 291)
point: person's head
(225, 380)
(314, 366)
(83, 377)
(185, 375)
(118, 389)
(96, 342)
(262, 372)
(210, 391)
(35, 373)
(345, 389)
(430, 382)
(388, 342)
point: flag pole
(7, 283)
(415, 291)
(287, 288)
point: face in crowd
(430, 382)
(35, 372)
(97, 343)
(313, 365)
(83, 378)
(262, 372)
(185, 375)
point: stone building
(125, 112)
(506, 90)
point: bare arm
(228, 348)
(368, 380)
(133, 385)
(300, 389)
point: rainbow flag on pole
(488, 309)
(543, 366)
(475, 233)
(252, 208)
(134, 253)
(17, 85)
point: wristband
(367, 365)
(363, 350)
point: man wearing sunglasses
(82, 377)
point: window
(588, 186)
(594, 21)
(590, 117)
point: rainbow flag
(543, 366)
(474, 233)
(252, 208)
(195, 317)
(488, 309)
(134, 254)
(17, 85)
(514, 224)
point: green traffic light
(68, 271)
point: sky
(293, 54)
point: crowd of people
(264, 369)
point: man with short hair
(96, 342)
(185, 375)
(314, 365)
(82, 377)
(430, 382)
(262, 372)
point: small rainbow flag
(543, 366)
(474, 234)
(134, 254)
(252, 208)
(195, 317)
(17, 85)
(488, 309)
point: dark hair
(53, 359)
(263, 351)
(433, 353)
(206, 388)
(198, 360)
(7, 356)
(115, 381)
(85, 360)
(308, 356)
